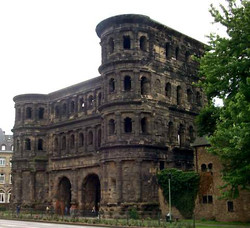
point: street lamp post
(169, 196)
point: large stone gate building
(101, 142)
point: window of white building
(2, 178)
(2, 196)
(2, 162)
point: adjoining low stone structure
(209, 204)
(99, 143)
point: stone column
(119, 181)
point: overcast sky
(47, 45)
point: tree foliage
(184, 188)
(224, 74)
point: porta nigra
(100, 143)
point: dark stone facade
(101, 142)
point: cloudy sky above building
(46, 45)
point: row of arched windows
(170, 50)
(30, 113)
(28, 144)
(77, 140)
(145, 87)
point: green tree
(224, 74)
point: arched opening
(41, 113)
(64, 109)
(63, 143)
(81, 139)
(27, 144)
(90, 138)
(168, 90)
(179, 95)
(111, 127)
(144, 125)
(144, 86)
(91, 193)
(126, 42)
(40, 144)
(111, 45)
(203, 168)
(170, 131)
(189, 95)
(72, 141)
(63, 196)
(127, 125)
(90, 102)
(72, 106)
(177, 53)
(180, 136)
(143, 43)
(127, 83)
(167, 50)
(28, 113)
(111, 85)
(57, 111)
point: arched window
(144, 125)
(168, 90)
(99, 138)
(144, 86)
(127, 83)
(177, 53)
(90, 102)
(82, 104)
(111, 45)
(187, 56)
(198, 98)
(178, 95)
(170, 131)
(167, 50)
(63, 142)
(57, 111)
(55, 144)
(210, 167)
(64, 109)
(99, 99)
(90, 138)
(40, 113)
(203, 168)
(27, 144)
(81, 139)
(72, 106)
(40, 144)
(126, 42)
(191, 133)
(19, 114)
(127, 125)
(72, 141)
(189, 95)
(2, 194)
(180, 136)
(28, 113)
(111, 127)
(111, 85)
(3, 147)
(143, 43)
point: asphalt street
(24, 224)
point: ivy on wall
(184, 188)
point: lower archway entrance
(63, 196)
(91, 193)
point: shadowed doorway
(63, 196)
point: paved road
(23, 224)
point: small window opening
(170, 131)
(177, 53)
(3, 147)
(162, 165)
(111, 126)
(81, 139)
(144, 125)
(63, 143)
(204, 199)
(41, 113)
(111, 45)
(210, 199)
(144, 86)
(91, 101)
(57, 111)
(187, 56)
(189, 95)
(126, 42)
(178, 95)
(72, 141)
(210, 167)
(40, 144)
(64, 110)
(203, 168)
(27, 144)
(82, 104)
(111, 85)
(72, 106)
(180, 136)
(167, 50)
(127, 125)
(28, 113)
(90, 138)
(143, 43)
(168, 90)
(127, 83)
(230, 206)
